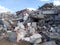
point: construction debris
(41, 26)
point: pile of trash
(31, 27)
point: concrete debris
(41, 26)
(12, 36)
(49, 43)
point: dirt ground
(7, 42)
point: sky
(16, 5)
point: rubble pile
(32, 27)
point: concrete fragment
(49, 43)
(12, 36)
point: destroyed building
(20, 14)
(51, 13)
(44, 15)
(48, 13)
